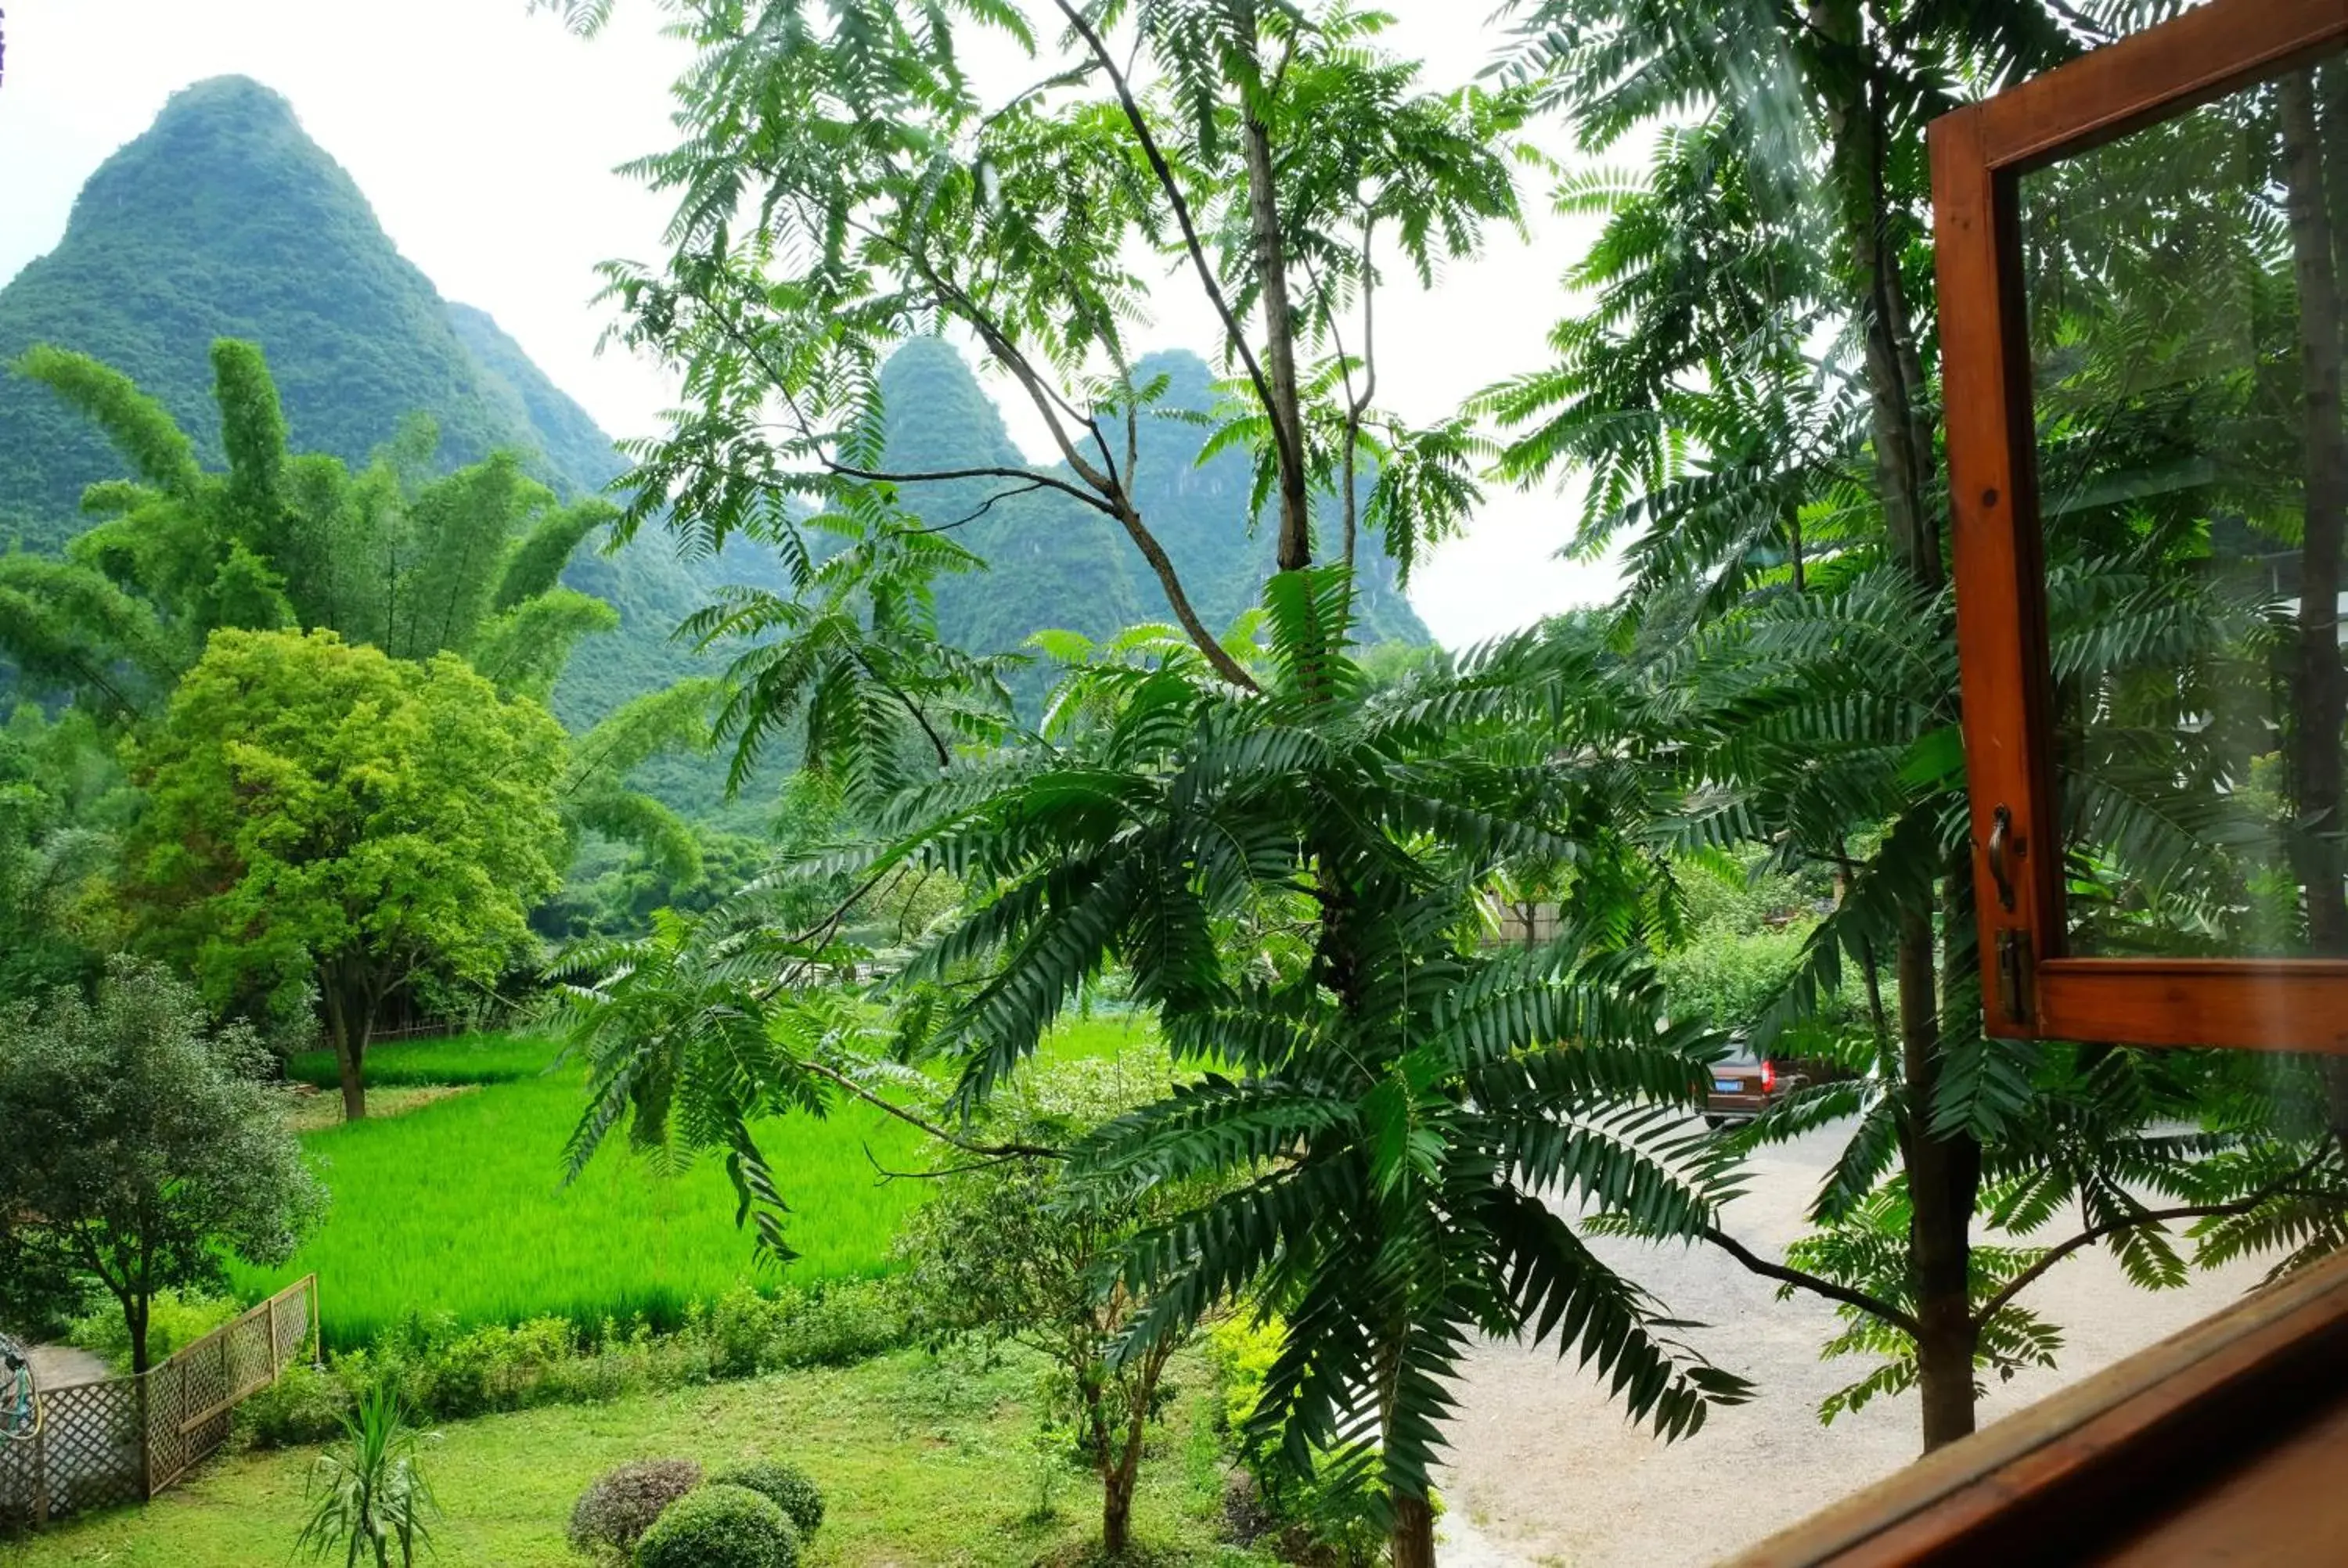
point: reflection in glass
(2183, 284)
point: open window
(2141, 260)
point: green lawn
(922, 1461)
(458, 1208)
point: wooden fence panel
(122, 1440)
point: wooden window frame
(2031, 986)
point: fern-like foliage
(1378, 1110)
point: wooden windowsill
(2208, 1436)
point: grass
(922, 1460)
(497, 1056)
(457, 1208)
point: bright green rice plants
(491, 1058)
(369, 1499)
(458, 1205)
(612, 1516)
(720, 1527)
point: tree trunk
(1279, 346)
(1900, 435)
(350, 1019)
(1943, 1172)
(1944, 1178)
(1116, 1513)
(1413, 1532)
(2318, 693)
(136, 1317)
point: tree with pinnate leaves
(1293, 877)
(322, 816)
(144, 1145)
(1793, 639)
(1293, 871)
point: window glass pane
(2184, 285)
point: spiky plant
(369, 1501)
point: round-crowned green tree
(322, 814)
(142, 1145)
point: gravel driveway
(1544, 1472)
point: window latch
(2014, 975)
(2000, 846)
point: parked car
(1744, 1085)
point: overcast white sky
(486, 138)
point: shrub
(1242, 1348)
(444, 1373)
(720, 1527)
(833, 1325)
(1313, 1521)
(175, 1320)
(787, 1486)
(612, 1515)
(306, 1405)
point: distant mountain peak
(223, 219)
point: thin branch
(1113, 496)
(2094, 1234)
(824, 929)
(1217, 655)
(1190, 242)
(1073, 77)
(986, 1151)
(987, 1163)
(1870, 1305)
(1047, 399)
(985, 506)
(937, 742)
(935, 476)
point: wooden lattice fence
(123, 1440)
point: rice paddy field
(457, 1208)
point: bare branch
(1872, 1306)
(986, 1151)
(1196, 250)
(986, 1162)
(985, 506)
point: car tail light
(1768, 1076)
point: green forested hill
(225, 220)
(1058, 563)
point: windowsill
(2227, 1442)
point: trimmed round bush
(721, 1527)
(612, 1515)
(786, 1485)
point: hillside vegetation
(225, 220)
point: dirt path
(57, 1366)
(1545, 1474)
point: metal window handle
(2001, 842)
